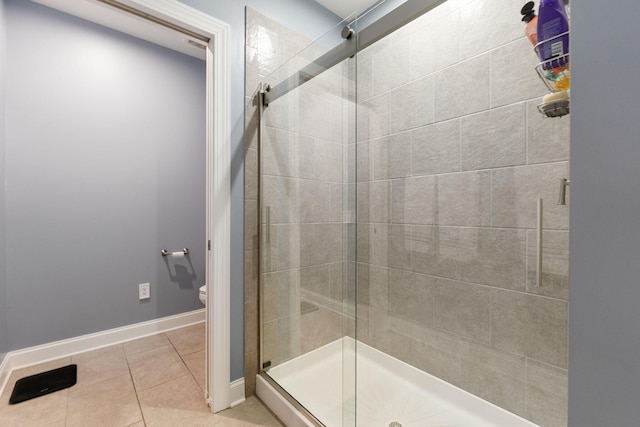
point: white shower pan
(390, 393)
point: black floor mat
(44, 383)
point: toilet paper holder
(183, 252)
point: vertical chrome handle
(267, 217)
(539, 245)
(562, 197)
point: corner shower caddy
(555, 82)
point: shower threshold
(389, 392)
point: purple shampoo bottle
(552, 22)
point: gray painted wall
(4, 346)
(305, 17)
(105, 156)
(605, 216)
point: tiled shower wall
(303, 145)
(452, 158)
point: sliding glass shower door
(307, 200)
(410, 230)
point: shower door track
(289, 398)
(384, 26)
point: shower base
(390, 392)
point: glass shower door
(307, 271)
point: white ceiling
(344, 8)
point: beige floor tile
(251, 413)
(38, 412)
(154, 367)
(176, 403)
(147, 343)
(105, 394)
(196, 364)
(108, 403)
(100, 365)
(41, 411)
(188, 340)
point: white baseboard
(236, 392)
(43, 353)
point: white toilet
(203, 294)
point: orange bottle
(529, 17)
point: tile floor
(153, 381)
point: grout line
(135, 388)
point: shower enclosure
(413, 259)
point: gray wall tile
(379, 241)
(314, 115)
(513, 75)
(434, 250)
(281, 339)
(320, 243)
(251, 224)
(374, 201)
(411, 296)
(365, 76)
(516, 191)
(530, 325)
(251, 122)
(486, 24)
(493, 138)
(413, 200)
(462, 308)
(251, 319)
(316, 279)
(364, 161)
(391, 156)
(251, 276)
(412, 105)
(436, 148)
(378, 287)
(328, 159)
(281, 294)
(464, 199)
(547, 139)
(493, 375)
(386, 339)
(320, 201)
(282, 195)
(287, 154)
(337, 280)
(436, 45)
(494, 257)
(462, 89)
(373, 117)
(285, 248)
(438, 355)
(547, 394)
(400, 247)
(318, 328)
(251, 174)
(390, 67)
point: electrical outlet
(144, 291)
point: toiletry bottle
(553, 35)
(531, 20)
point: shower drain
(393, 423)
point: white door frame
(218, 175)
